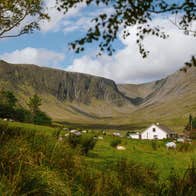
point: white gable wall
(150, 134)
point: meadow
(35, 161)
(149, 153)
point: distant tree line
(10, 108)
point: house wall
(149, 134)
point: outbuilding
(134, 135)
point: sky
(49, 47)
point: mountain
(82, 98)
(169, 100)
(65, 95)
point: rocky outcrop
(65, 86)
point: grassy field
(143, 152)
(45, 129)
(139, 151)
(35, 161)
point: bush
(18, 114)
(194, 123)
(22, 115)
(73, 140)
(114, 143)
(87, 143)
(41, 118)
(6, 111)
(154, 145)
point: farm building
(134, 135)
(157, 131)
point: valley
(80, 99)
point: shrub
(18, 114)
(154, 145)
(41, 118)
(73, 140)
(87, 143)
(115, 142)
(22, 115)
(6, 111)
(194, 123)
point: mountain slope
(170, 100)
(64, 93)
(82, 98)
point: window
(155, 136)
(154, 129)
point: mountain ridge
(84, 98)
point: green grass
(139, 151)
(142, 152)
(33, 160)
(46, 129)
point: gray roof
(166, 129)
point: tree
(190, 121)
(42, 119)
(127, 13)
(20, 17)
(8, 98)
(34, 103)
(194, 123)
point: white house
(157, 131)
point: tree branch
(15, 24)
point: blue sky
(49, 47)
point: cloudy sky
(49, 47)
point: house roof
(165, 128)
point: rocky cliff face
(65, 86)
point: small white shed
(134, 135)
(157, 131)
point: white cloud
(76, 19)
(36, 56)
(127, 65)
(58, 18)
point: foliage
(127, 13)
(115, 142)
(38, 117)
(22, 115)
(73, 140)
(41, 118)
(14, 13)
(194, 123)
(87, 143)
(34, 103)
(8, 98)
(180, 186)
(84, 142)
(8, 109)
(154, 145)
